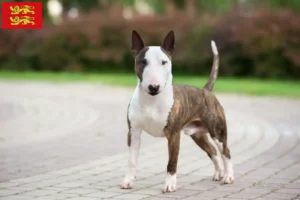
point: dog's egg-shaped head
(153, 65)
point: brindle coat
(195, 107)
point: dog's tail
(215, 68)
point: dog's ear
(169, 42)
(137, 43)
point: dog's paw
(218, 175)
(127, 184)
(170, 185)
(228, 178)
(169, 188)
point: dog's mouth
(153, 93)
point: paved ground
(68, 141)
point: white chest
(150, 115)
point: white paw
(169, 188)
(228, 178)
(218, 175)
(127, 183)
(170, 185)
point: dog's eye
(143, 62)
(164, 62)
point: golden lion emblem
(15, 10)
(22, 20)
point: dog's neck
(165, 97)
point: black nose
(153, 88)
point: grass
(229, 85)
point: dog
(164, 109)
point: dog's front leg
(134, 140)
(173, 146)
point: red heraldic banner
(22, 15)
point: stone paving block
(50, 198)
(254, 179)
(41, 184)
(268, 185)
(17, 197)
(157, 198)
(228, 198)
(38, 193)
(227, 189)
(265, 170)
(293, 186)
(190, 179)
(198, 197)
(24, 180)
(97, 187)
(160, 186)
(61, 196)
(80, 191)
(96, 178)
(149, 191)
(83, 198)
(112, 182)
(240, 184)
(199, 187)
(209, 181)
(289, 191)
(69, 178)
(214, 194)
(87, 181)
(23, 189)
(58, 189)
(146, 175)
(38, 178)
(277, 180)
(168, 195)
(8, 184)
(71, 184)
(123, 191)
(102, 194)
(245, 195)
(7, 192)
(257, 190)
(280, 196)
(149, 181)
(131, 196)
(185, 192)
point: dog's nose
(153, 88)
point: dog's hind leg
(134, 140)
(206, 143)
(222, 145)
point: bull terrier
(164, 109)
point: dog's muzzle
(153, 89)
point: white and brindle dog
(164, 109)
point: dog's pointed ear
(169, 42)
(137, 43)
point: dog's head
(153, 65)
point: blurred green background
(258, 41)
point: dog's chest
(152, 118)
(154, 121)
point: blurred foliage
(257, 42)
(287, 4)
